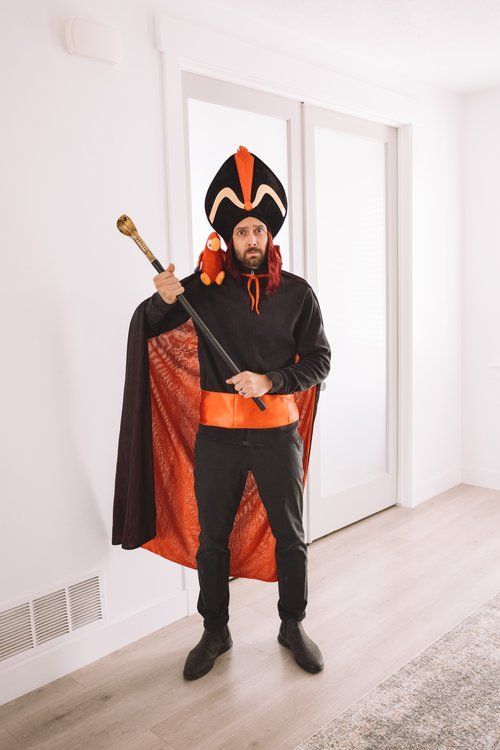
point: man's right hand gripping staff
(168, 285)
(164, 299)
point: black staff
(127, 226)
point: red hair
(274, 264)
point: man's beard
(253, 260)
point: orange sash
(234, 410)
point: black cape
(154, 503)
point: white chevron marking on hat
(229, 193)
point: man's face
(250, 241)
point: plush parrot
(211, 261)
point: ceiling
(450, 44)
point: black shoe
(305, 652)
(201, 658)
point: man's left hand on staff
(250, 384)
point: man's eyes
(242, 231)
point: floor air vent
(44, 618)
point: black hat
(245, 186)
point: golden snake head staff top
(127, 226)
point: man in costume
(218, 485)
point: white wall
(481, 320)
(437, 297)
(82, 143)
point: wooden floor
(380, 591)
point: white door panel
(351, 177)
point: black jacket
(289, 322)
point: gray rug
(446, 698)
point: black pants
(220, 472)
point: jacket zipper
(252, 273)
(245, 441)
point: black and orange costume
(188, 441)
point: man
(264, 316)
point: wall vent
(85, 602)
(15, 631)
(50, 616)
(40, 620)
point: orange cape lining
(174, 377)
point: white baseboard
(481, 477)
(431, 488)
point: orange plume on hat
(244, 164)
